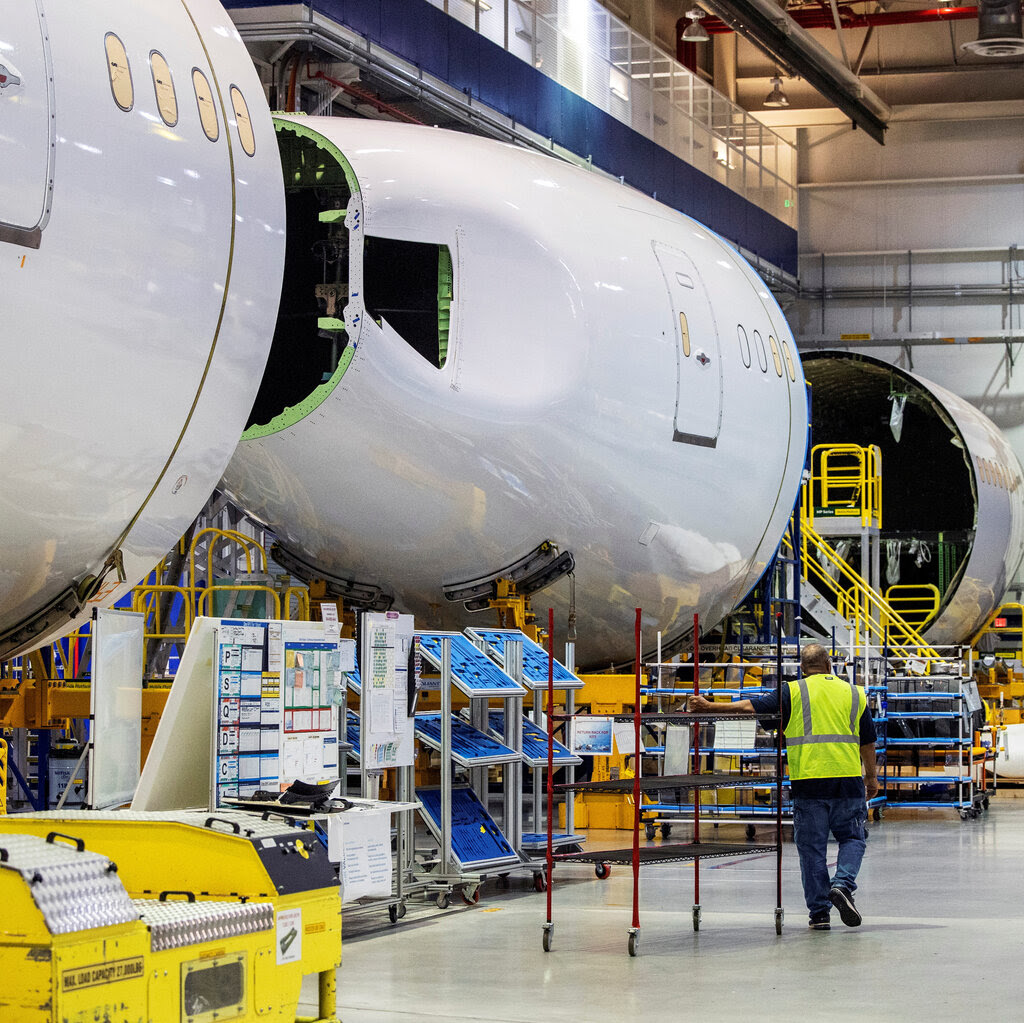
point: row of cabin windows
(762, 354)
(997, 475)
(123, 90)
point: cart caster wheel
(666, 830)
(649, 831)
(470, 900)
(549, 933)
(751, 831)
(395, 913)
(778, 921)
(443, 900)
(964, 814)
(504, 882)
(602, 870)
(634, 943)
(876, 814)
(540, 883)
(984, 803)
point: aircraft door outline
(26, 109)
(698, 410)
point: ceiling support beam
(776, 34)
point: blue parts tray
(535, 658)
(472, 670)
(533, 842)
(470, 747)
(354, 680)
(535, 743)
(477, 842)
(352, 729)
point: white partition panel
(116, 706)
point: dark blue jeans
(813, 819)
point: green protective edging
(321, 142)
(445, 291)
(294, 413)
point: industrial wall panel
(443, 47)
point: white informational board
(115, 703)
(387, 732)
(359, 840)
(250, 708)
(591, 736)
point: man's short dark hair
(814, 660)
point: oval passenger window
(207, 109)
(119, 71)
(163, 84)
(744, 345)
(245, 132)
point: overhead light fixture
(776, 98)
(695, 32)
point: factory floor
(941, 939)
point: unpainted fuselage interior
(929, 497)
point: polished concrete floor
(942, 939)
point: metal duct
(775, 33)
(999, 29)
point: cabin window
(744, 345)
(791, 368)
(684, 334)
(243, 121)
(775, 354)
(207, 108)
(120, 72)
(762, 354)
(163, 85)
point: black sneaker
(819, 921)
(843, 901)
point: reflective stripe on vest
(823, 733)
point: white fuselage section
(141, 249)
(998, 546)
(570, 408)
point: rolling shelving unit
(695, 850)
(928, 733)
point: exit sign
(1000, 623)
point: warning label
(102, 973)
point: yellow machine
(186, 918)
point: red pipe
(364, 96)
(636, 783)
(815, 17)
(551, 750)
(695, 741)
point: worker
(825, 721)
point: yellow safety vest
(823, 734)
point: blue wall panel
(443, 47)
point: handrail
(870, 613)
(237, 588)
(847, 484)
(144, 600)
(917, 602)
(229, 535)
